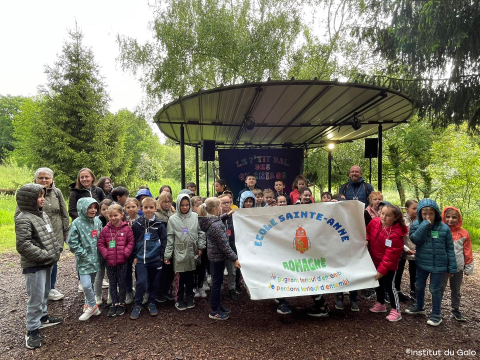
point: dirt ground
(254, 329)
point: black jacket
(76, 194)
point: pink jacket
(115, 244)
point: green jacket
(35, 238)
(184, 238)
(83, 236)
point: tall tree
(9, 107)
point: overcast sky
(33, 32)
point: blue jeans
(148, 275)
(38, 287)
(436, 280)
(353, 296)
(54, 276)
(87, 281)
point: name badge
(94, 233)
(229, 232)
(184, 230)
(111, 244)
(435, 234)
(49, 228)
(388, 243)
(147, 236)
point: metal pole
(370, 174)
(380, 156)
(208, 190)
(182, 155)
(330, 171)
(197, 171)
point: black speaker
(371, 148)
(208, 150)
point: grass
(7, 226)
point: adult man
(356, 188)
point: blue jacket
(435, 251)
(153, 249)
(359, 189)
(244, 195)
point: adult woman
(106, 184)
(56, 209)
(83, 187)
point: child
(326, 196)
(280, 191)
(196, 201)
(247, 200)
(142, 194)
(375, 198)
(298, 184)
(132, 206)
(150, 241)
(115, 244)
(258, 197)
(282, 200)
(435, 256)
(82, 240)
(385, 239)
(39, 250)
(230, 195)
(192, 187)
(219, 250)
(269, 197)
(250, 184)
(408, 253)
(104, 211)
(220, 187)
(120, 195)
(305, 197)
(186, 242)
(463, 254)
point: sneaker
(181, 305)
(105, 284)
(197, 292)
(368, 293)
(354, 306)
(412, 295)
(218, 315)
(169, 296)
(284, 309)
(387, 298)
(54, 294)
(33, 339)
(98, 300)
(89, 312)
(161, 299)
(135, 312)
(318, 312)
(152, 309)
(120, 310)
(225, 310)
(378, 308)
(80, 287)
(394, 315)
(238, 289)
(233, 295)
(458, 315)
(145, 299)
(402, 297)
(85, 307)
(339, 304)
(190, 303)
(47, 321)
(206, 287)
(109, 299)
(112, 311)
(202, 293)
(434, 321)
(413, 310)
(129, 298)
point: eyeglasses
(225, 203)
(43, 178)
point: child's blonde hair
(134, 200)
(164, 197)
(210, 204)
(257, 192)
(115, 207)
(149, 200)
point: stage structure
(292, 116)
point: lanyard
(388, 233)
(113, 237)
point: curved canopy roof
(292, 113)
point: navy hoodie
(149, 250)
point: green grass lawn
(7, 226)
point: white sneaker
(105, 284)
(145, 299)
(109, 299)
(197, 292)
(89, 312)
(129, 298)
(205, 286)
(202, 292)
(98, 300)
(80, 288)
(54, 294)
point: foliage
(9, 107)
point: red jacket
(385, 258)
(123, 247)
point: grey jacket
(36, 241)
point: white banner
(300, 250)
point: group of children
(172, 246)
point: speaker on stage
(371, 148)
(208, 150)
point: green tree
(9, 107)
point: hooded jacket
(184, 238)
(385, 254)
(151, 248)
(462, 243)
(83, 237)
(35, 238)
(435, 252)
(359, 189)
(116, 253)
(244, 196)
(76, 194)
(246, 189)
(218, 248)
